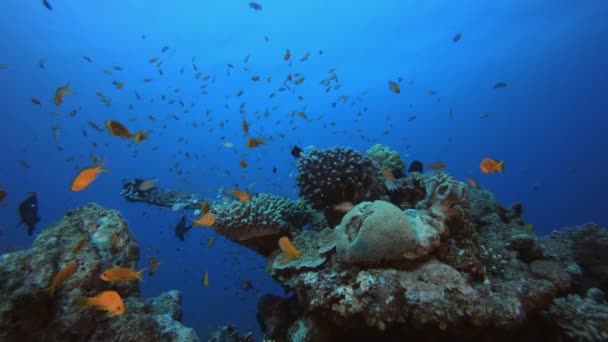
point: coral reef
(259, 223)
(388, 159)
(163, 198)
(458, 266)
(331, 176)
(229, 334)
(97, 239)
(581, 319)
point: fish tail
(82, 303)
(501, 166)
(51, 289)
(139, 274)
(101, 169)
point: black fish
(500, 85)
(457, 37)
(255, 6)
(415, 166)
(274, 170)
(47, 4)
(181, 228)
(87, 58)
(296, 151)
(28, 212)
(164, 49)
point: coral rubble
(96, 238)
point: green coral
(388, 159)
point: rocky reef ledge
(96, 239)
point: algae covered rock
(374, 232)
(95, 239)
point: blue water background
(548, 124)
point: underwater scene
(398, 170)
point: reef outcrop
(96, 239)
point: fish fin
(51, 289)
(501, 166)
(139, 274)
(82, 304)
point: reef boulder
(96, 239)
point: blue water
(548, 124)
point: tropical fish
(343, 207)
(85, 177)
(243, 164)
(287, 55)
(117, 129)
(28, 213)
(241, 195)
(36, 101)
(456, 37)
(254, 142)
(437, 166)
(47, 5)
(245, 126)
(207, 220)
(139, 137)
(60, 92)
(205, 280)
(255, 6)
(472, 183)
(296, 151)
(109, 301)
(3, 194)
(289, 250)
(500, 85)
(153, 265)
(61, 276)
(148, 184)
(181, 229)
(88, 59)
(121, 274)
(489, 165)
(394, 87)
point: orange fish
(394, 87)
(242, 196)
(139, 137)
(210, 241)
(65, 90)
(86, 176)
(108, 301)
(79, 245)
(302, 115)
(254, 142)
(3, 194)
(148, 184)
(472, 183)
(243, 164)
(289, 250)
(207, 220)
(489, 165)
(153, 265)
(117, 129)
(119, 85)
(437, 166)
(206, 280)
(245, 126)
(287, 55)
(121, 274)
(62, 276)
(389, 179)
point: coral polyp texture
(259, 223)
(388, 159)
(334, 175)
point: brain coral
(373, 232)
(335, 175)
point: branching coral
(335, 175)
(259, 223)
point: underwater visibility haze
(303, 170)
